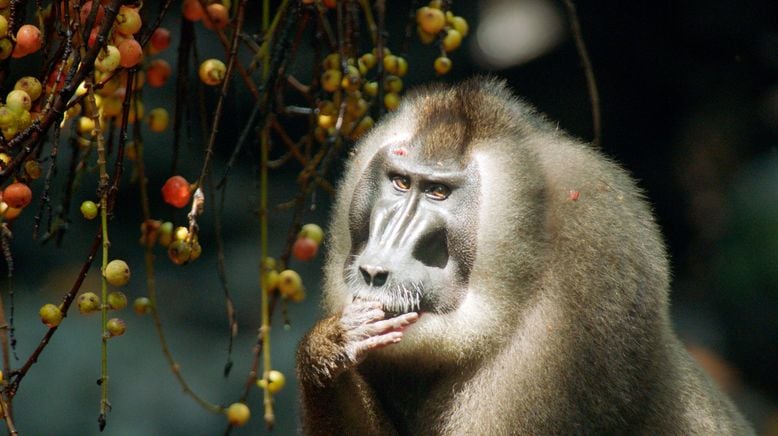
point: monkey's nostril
(374, 275)
(379, 279)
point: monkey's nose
(374, 275)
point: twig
(591, 83)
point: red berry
(17, 195)
(158, 72)
(131, 52)
(304, 248)
(160, 39)
(216, 17)
(176, 191)
(29, 39)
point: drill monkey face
(413, 229)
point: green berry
(141, 305)
(116, 326)
(88, 302)
(50, 315)
(89, 209)
(179, 252)
(117, 300)
(117, 273)
(165, 234)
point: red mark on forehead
(400, 151)
(573, 195)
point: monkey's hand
(341, 342)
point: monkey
(489, 274)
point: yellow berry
(289, 283)
(391, 101)
(442, 65)
(370, 89)
(452, 40)
(368, 59)
(88, 302)
(238, 414)
(158, 119)
(50, 315)
(331, 62)
(179, 252)
(431, 20)
(89, 209)
(460, 24)
(363, 126)
(330, 80)
(393, 84)
(312, 231)
(117, 273)
(212, 72)
(116, 327)
(275, 381)
(117, 300)
(352, 80)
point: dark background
(689, 100)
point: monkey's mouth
(396, 297)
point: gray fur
(563, 327)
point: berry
(179, 252)
(32, 169)
(160, 39)
(117, 300)
(116, 326)
(88, 302)
(176, 191)
(216, 16)
(165, 234)
(128, 21)
(158, 72)
(312, 231)
(50, 315)
(3, 26)
(158, 119)
(275, 381)
(368, 59)
(89, 209)
(452, 40)
(393, 84)
(330, 80)
(131, 52)
(29, 39)
(459, 24)
(431, 20)
(304, 249)
(370, 89)
(193, 10)
(195, 250)
(212, 71)
(108, 59)
(6, 48)
(18, 101)
(271, 281)
(117, 273)
(391, 101)
(289, 283)
(141, 305)
(363, 126)
(442, 65)
(31, 85)
(17, 195)
(181, 233)
(238, 414)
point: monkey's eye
(438, 192)
(401, 183)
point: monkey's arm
(333, 393)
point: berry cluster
(433, 24)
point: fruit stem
(103, 190)
(265, 329)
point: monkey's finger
(395, 324)
(379, 341)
